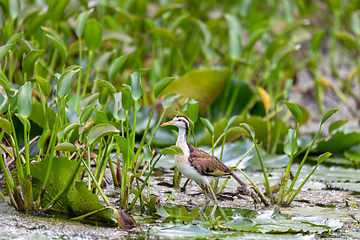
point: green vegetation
(85, 86)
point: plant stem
(87, 73)
(263, 168)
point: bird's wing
(207, 164)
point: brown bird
(198, 165)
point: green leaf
(162, 84)
(116, 66)
(5, 125)
(209, 126)
(205, 31)
(60, 46)
(173, 150)
(65, 82)
(230, 123)
(45, 85)
(295, 111)
(169, 100)
(100, 131)
(4, 50)
(127, 100)
(338, 142)
(323, 157)
(316, 40)
(43, 139)
(136, 88)
(85, 115)
(163, 8)
(193, 107)
(204, 86)
(30, 59)
(65, 147)
(117, 107)
(289, 143)
(103, 83)
(4, 82)
(64, 130)
(235, 33)
(24, 100)
(328, 113)
(248, 129)
(125, 148)
(148, 155)
(80, 22)
(349, 40)
(92, 34)
(336, 125)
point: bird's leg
(216, 202)
(203, 208)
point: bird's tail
(251, 193)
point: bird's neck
(182, 140)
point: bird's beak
(167, 123)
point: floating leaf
(100, 131)
(24, 100)
(65, 147)
(295, 111)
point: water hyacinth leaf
(208, 126)
(173, 150)
(30, 59)
(24, 100)
(66, 129)
(4, 82)
(328, 113)
(162, 84)
(45, 85)
(117, 106)
(101, 116)
(148, 155)
(103, 95)
(248, 129)
(315, 43)
(60, 46)
(116, 66)
(126, 99)
(193, 107)
(136, 88)
(169, 100)
(43, 139)
(65, 82)
(231, 121)
(289, 143)
(323, 157)
(265, 97)
(85, 115)
(349, 40)
(295, 111)
(81, 21)
(125, 148)
(92, 34)
(205, 31)
(5, 125)
(100, 131)
(204, 86)
(336, 125)
(65, 147)
(4, 50)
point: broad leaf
(65, 82)
(100, 131)
(24, 100)
(173, 150)
(295, 111)
(127, 100)
(116, 66)
(209, 126)
(323, 157)
(328, 113)
(4, 50)
(162, 84)
(136, 88)
(45, 85)
(65, 147)
(289, 143)
(92, 34)
(30, 59)
(80, 22)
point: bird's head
(180, 121)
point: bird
(198, 165)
